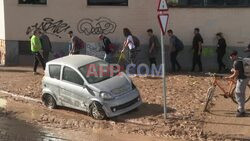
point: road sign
(163, 21)
(162, 5)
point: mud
(18, 123)
(185, 98)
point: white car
(67, 83)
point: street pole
(164, 77)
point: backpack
(112, 48)
(246, 66)
(179, 46)
(80, 43)
(136, 41)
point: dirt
(18, 122)
(183, 100)
(222, 116)
(186, 94)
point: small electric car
(82, 82)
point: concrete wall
(2, 20)
(2, 33)
(88, 21)
(233, 22)
(138, 16)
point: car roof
(75, 61)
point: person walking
(197, 49)
(221, 50)
(154, 46)
(76, 44)
(36, 48)
(46, 46)
(129, 43)
(176, 45)
(242, 81)
(107, 48)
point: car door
(72, 91)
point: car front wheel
(96, 111)
(49, 101)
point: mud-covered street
(185, 100)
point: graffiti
(102, 25)
(49, 26)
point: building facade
(89, 18)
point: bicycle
(227, 93)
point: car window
(91, 72)
(55, 71)
(72, 76)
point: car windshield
(98, 71)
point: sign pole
(163, 21)
(164, 76)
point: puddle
(3, 103)
(17, 130)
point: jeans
(132, 57)
(108, 58)
(220, 62)
(240, 93)
(38, 58)
(174, 61)
(46, 56)
(197, 60)
(152, 61)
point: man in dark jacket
(77, 43)
(197, 49)
(46, 46)
(175, 47)
(107, 48)
(154, 47)
(221, 50)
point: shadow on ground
(12, 129)
(144, 111)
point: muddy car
(74, 82)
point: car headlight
(106, 96)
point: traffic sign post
(163, 21)
(162, 6)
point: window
(55, 71)
(108, 2)
(32, 2)
(92, 72)
(71, 75)
(209, 3)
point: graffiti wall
(49, 26)
(102, 25)
(85, 27)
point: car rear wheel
(49, 101)
(96, 111)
